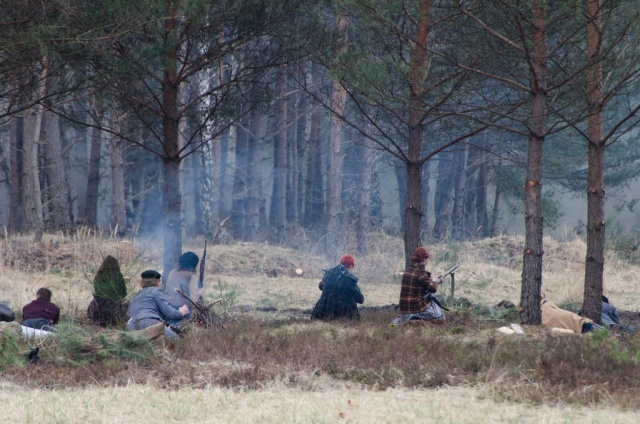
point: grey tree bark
(240, 171)
(443, 199)
(314, 193)
(458, 228)
(118, 220)
(255, 195)
(15, 169)
(278, 197)
(55, 169)
(531, 292)
(334, 181)
(31, 190)
(93, 180)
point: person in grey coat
(150, 306)
(183, 278)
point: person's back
(182, 279)
(144, 305)
(109, 282)
(179, 280)
(150, 306)
(41, 312)
(109, 292)
(340, 293)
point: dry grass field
(271, 364)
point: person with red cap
(417, 299)
(340, 293)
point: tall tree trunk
(260, 124)
(470, 175)
(118, 221)
(302, 111)
(93, 183)
(443, 199)
(482, 217)
(139, 186)
(31, 191)
(495, 213)
(241, 169)
(400, 170)
(208, 190)
(225, 187)
(186, 184)
(314, 198)
(292, 159)
(417, 77)
(278, 197)
(334, 180)
(459, 195)
(15, 170)
(172, 197)
(532, 269)
(363, 164)
(58, 188)
(594, 263)
(426, 176)
(210, 187)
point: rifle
(201, 276)
(449, 271)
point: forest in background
(253, 120)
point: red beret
(419, 254)
(347, 260)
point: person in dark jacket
(340, 293)
(610, 317)
(109, 292)
(150, 306)
(183, 279)
(41, 314)
(6, 313)
(417, 298)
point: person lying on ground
(555, 317)
(183, 279)
(6, 313)
(109, 291)
(41, 314)
(340, 293)
(417, 293)
(150, 306)
(610, 317)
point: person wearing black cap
(150, 306)
(184, 279)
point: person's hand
(439, 280)
(184, 310)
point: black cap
(151, 273)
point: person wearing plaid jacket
(417, 292)
(340, 293)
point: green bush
(10, 350)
